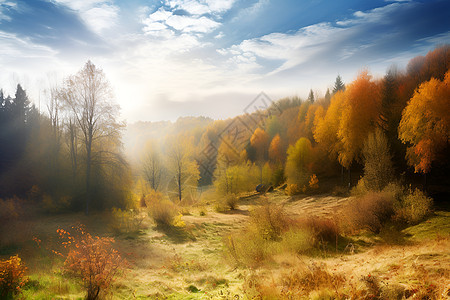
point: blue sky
(173, 58)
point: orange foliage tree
(260, 142)
(360, 113)
(425, 123)
(276, 153)
(91, 259)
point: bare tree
(152, 165)
(88, 96)
(181, 165)
(54, 106)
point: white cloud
(98, 15)
(6, 6)
(375, 15)
(293, 49)
(201, 7)
(14, 47)
(191, 24)
(310, 42)
(251, 11)
(162, 18)
(101, 18)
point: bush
(248, 248)
(314, 182)
(303, 282)
(270, 221)
(270, 231)
(322, 230)
(12, 277)
(229, 202)
(91, 259)
(294, 189)
(296, 240)
(257, 241)
(126, 221)
(163, 213)
(414, 207)
(8, 209)
(370, 211)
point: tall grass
(270, 231)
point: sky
(171, 58)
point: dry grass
(163, 268)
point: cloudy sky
(173, 58)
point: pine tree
(338, 85)
(327, 96)
(311, 96)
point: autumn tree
(327, 97)
(276, 157)
(425, 123)
(273, 126)
(299, 157)
(326, 125)
(276, 152)
(153, 168)
(378, 168)
(360, 112)
(226, 180)
(181, 167)
(260, 142)
(88, 98)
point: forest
(265, 205)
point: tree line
(71, 156)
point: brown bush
(163, 213)
(228, 202)
(303, 282)
(370, 211)
(270, 221)
(270, 232)
(322, 230)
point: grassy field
(191, 262)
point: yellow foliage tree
(298, 162)
(425, 123)
(326, 125)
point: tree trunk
(179, 184)
(349, 176)
(88, 175)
